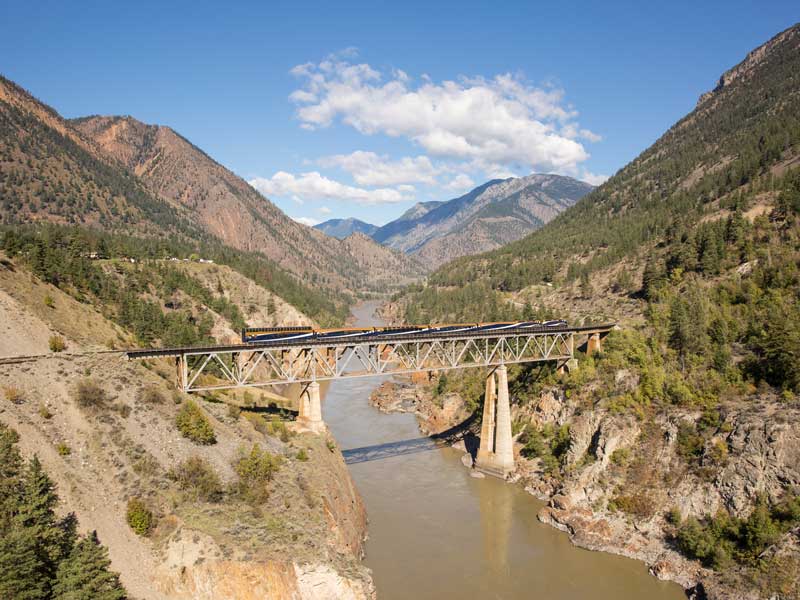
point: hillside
(491, 215)
(677, 443)
(107, 434)
(225, 205)
(341, 228)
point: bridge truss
(253, 365)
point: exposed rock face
(498, 212)
(183, 575)
(750, 64)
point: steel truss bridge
(309, 358)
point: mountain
(493, 214)
(341, 228)
(693, 249)
(745, 130)
(225, 205)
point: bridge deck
(418, 337)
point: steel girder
(205, 370)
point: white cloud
(367, 168)
(592, 178)
(324, 210)
(313, 186)
(503, 120)
(306, 221)
(460, 183)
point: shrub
(14, 395)
(139, 517)
(689, 443)
(57, 343)
(620, 456)
(234, 412)
(674, 516)
(48, 301)
(150, 394)
(639, 505)
(197, 476)
(256, 469)
(89, 394)
(330, 444)
(302, 455)
(44, 412)
(194, 425)
(63, 449)
(278, 428)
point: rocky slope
(303, 541)
(227, 206)
(342, 228)
(489, 216)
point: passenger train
(290, 334)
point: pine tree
(38, 500)
(23, 575)
(84, 574)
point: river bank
(621, 478)
(437, 532)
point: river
(436, 532)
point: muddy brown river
(435, 532)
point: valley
(658, 458)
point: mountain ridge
(494, 213)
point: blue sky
(362, 109)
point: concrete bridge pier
(593, 344)
(310, 409)
(496, 452)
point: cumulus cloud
(502, 120)
(324, 210)
(368, 168)
(306, 221)
(314, 186)
(593, 178)
(460, 183)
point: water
(436, 532)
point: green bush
(716, 540)
(196, 476)
(689, 442)
(193, 424)
(139, 517)
(255, 469)
(63, 449)
(302, 455)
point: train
(252, 335)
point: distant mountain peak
(342, 228)
(493, 214)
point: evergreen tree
(84, 574)
(37, 502)
(23, 574)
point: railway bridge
(272, 356)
